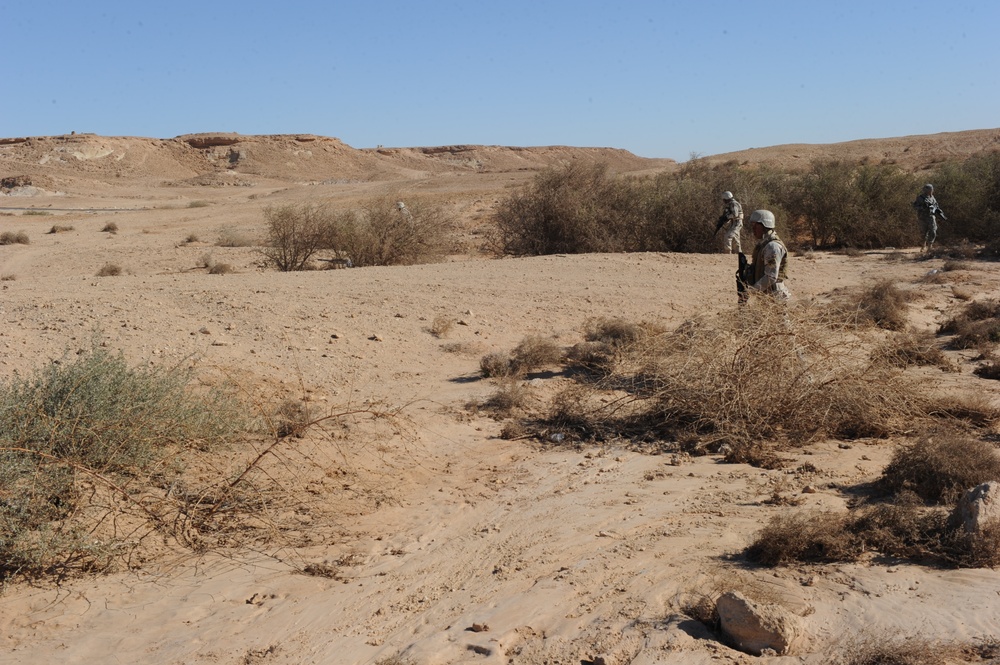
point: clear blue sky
(661, 79)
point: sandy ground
(452, 544)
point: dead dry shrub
(441, 325)
(109, 270)
(894, 650)
(60, 228)
(511, 395)
(962, 293)
(14, 238)
(110, 227)
(496, 365)
(906, 349)
(221, 269)
(820, 537)
(764, 373)
(941, 466)
(989, 370)
(883, 304)
(232, 237)
(977, 326)
(534, 353)
(294, 234)
(377, 233)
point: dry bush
(941, 466)
(110, 227)
(378, 234)
(294, 234)
(823, 537)
(463, 348)
(883, 305)
(747, 376)
(230, 237)
(496, 365)
(907, 349)
(9, 277)
(511, 395)
(191, 239)
(951, 265)
(441, 325)
(976, 326)
(893, 650)
(57, 228)
(962, 293)
(109, 270)
(14, 238)
(534, 352)
(292, 418)
(220, 269)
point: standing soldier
(732, 219)
(928, 211)
(767, 273)
(404, 212)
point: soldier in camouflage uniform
(768, 271)
(732, 221)
(928, 211)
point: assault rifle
(720, 222)
(744, 277)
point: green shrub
(89, 421)
(969, 193)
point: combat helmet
(727, 196)
(763, 217)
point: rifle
(743, 278)
(720, 222)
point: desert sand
(450, 544)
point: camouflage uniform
(770, 260)
(927, 211)
(733, 214)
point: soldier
(767, 272)
(928, 211)
(404, 212)
(732, 220)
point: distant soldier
(731, 220)
(928, 211)
(404, 212)
(768, 271)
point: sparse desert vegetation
(523, 457)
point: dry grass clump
(58, 228)
(14, 238)
(884, 305)
(822, 537)
(533, 353)
(511, 395)
(191, 239)
(221, 269)
(605, 339)
(109, 270)
(892, 650)
(977, 326)
(941, 466)
(907, 349)
(989, 370)
(230, 237)
(110, 227)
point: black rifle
(743, 278)
(720, 222)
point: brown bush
(805, 537)
(294, 234)
(534, 353)
(59, 228)
(14, 238)
(913, 348)
(220, 269)
(496, 365)
(511, 395)
(883, 305)
(941, 466)
(109, 270)
(976, 326)
(110, 227)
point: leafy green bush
(969, 193)
(81, 426)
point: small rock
(375, 338)
(754, 627)
(479, 628)
(808, 489)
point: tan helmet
(763, 217)
(727, 196)
(928, 187)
